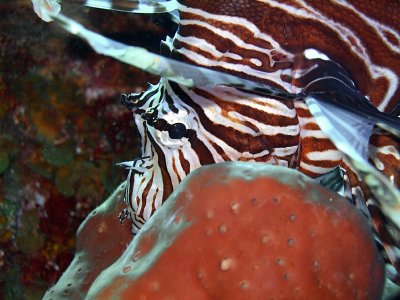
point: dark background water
(62, 131)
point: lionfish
(311, 85)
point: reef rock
(101, 240)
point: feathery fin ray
(350, 134)
(195, 76)
(350, 142)
(359, 116)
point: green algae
(58, 156)
(82, 178)
(41, 167)
(9, 145)
(29, 239)
(12, 285)
(4, 161)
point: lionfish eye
(177, 131)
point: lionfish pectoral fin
(350, 133)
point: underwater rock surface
(62, 132)
(240, 230)
(100, 241)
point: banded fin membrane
(333, 181)
(350, 133)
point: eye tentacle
(130, 101)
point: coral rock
(101, 239)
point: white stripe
(204, 61)
(225, 34)
(388, 150)
(290, 130)
(207, 47)
(305, 121)
(256, 62)
(332, 155)
(268, 105)
(318, 134)
(301, 105)
(286, 151)
(315, 169)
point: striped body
(229, 124)
(268, 40)
(293, 45)
(222, 124)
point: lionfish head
(182, 129)
(164, 128)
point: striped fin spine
(132, 6)
(43, 7)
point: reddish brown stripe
(184, 163)
(167, 184)
(145, 194)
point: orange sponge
(248, 231)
